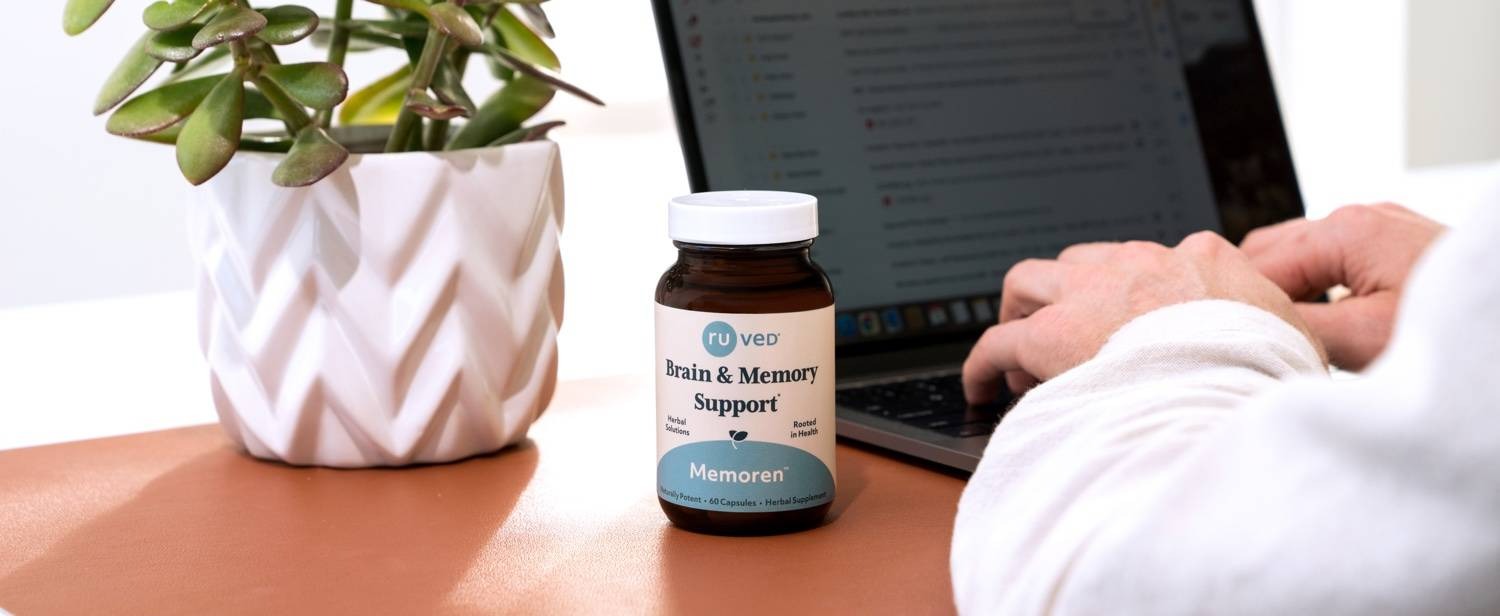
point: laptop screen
(947, 140)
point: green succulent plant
(226, 71)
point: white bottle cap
(743, 217)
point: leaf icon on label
(737, 436)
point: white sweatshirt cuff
(1224, 322)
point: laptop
(948, 140)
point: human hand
(1369, 249)
(1056, 314)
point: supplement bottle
(744, 366)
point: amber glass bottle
(745, 375)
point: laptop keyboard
(932, 403)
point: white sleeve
(1203, 463)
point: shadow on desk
(177, 522)
(283, 539)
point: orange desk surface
(180, 522)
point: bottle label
(744, 409)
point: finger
(1354, 331)
(1261, 240)
(1398, 210)
(1019, 382)
(1303, 259)
(1091, 252)
(996, 353)
(1029, 286)
(1205, 243)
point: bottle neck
(765, 258)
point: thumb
(1355, 330)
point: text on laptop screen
(948, 140)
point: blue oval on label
(749, 476)
(718, 339)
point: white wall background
(84, 215)
(1451, 108)
(1342, 70)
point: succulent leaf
(527, 133)
(419, 7)
(313, 156)
(504, 56)
(391, 27)
(538, 20)
(379, 102)
(259, 107)
(425, 105)
(288, 24)
(78, 15)
(164, 15)
(524, 43)
(503, 112)
(160, 108)
(233, 23)
(320, 85)
(199, 65)
(413, 44)
(211, 134)
(449, 87)
(359, 40)
(166, 135)
(497, 70)
(454, 21)
(262, 49)
(248, 143)
(134, 69)
(174, 45)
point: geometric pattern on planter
(403, 310)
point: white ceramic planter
(403, 310)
